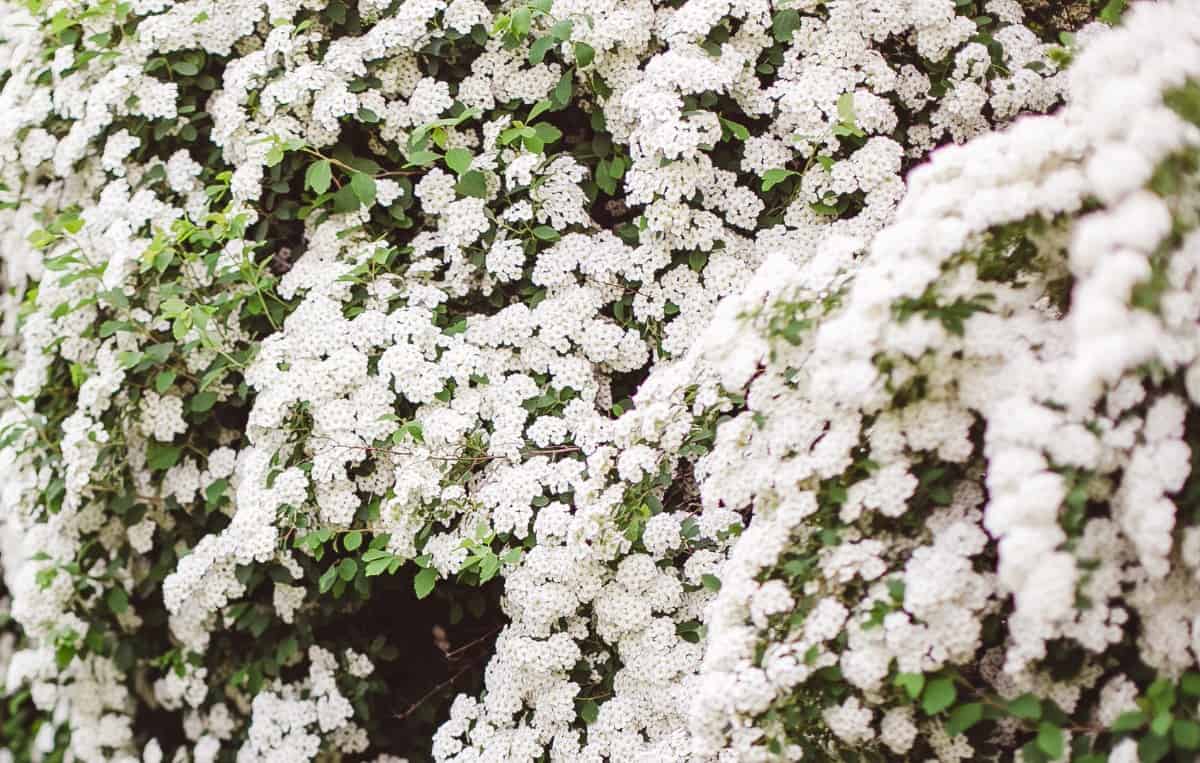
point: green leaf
(274, 155)
(459, 160)
(545, 233)
(964, 717)
(422, 158)
(845, 108)
(45, 577)
(345, 200)
(1026, 706)
(912, 683)
(61, 21)
(116, 298)
(547, 132)
(589, 711)
(565, 87)
(784, 23)
(117, 600)
(561, 31)
(616, 167)
(509, 135)
(711, 582)
(521, 22)
(108, 328)
(1190, 684)
(1161, 693)
(539, 48)
(738, 131)
(488, 567)
(1050, 740)
(364, 188)
(159, 352)
(352, 540)
(163, 260)
(213, 492)
(40, 239)
(377, 566)
(318, 176)
(181, 326)
(160, 457)
(163, 381)
(1153, 748)
(939, 694)
(1129, 721)
(539, 108)
(1186, 734)
(532, 142)
(604, 179)
(348, 569)
(63, 655)
(772, 178)
(1112, 12)
(472, 184)
(203, 401)
(328, 578)
(423, 582)
(1161, 724)
(286, 649)
(584, 54)
(844, 129)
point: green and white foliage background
(596, 381)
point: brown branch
(455, 652)
(432, 692)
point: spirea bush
(609, 381)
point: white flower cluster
(283, 717)
(349, 374)
(615, 303)
(1041, 434)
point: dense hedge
(625, 381)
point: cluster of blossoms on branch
(610, 381)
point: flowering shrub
(975, 512)
(567, 381)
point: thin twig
(454, 652)
(448, 682)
